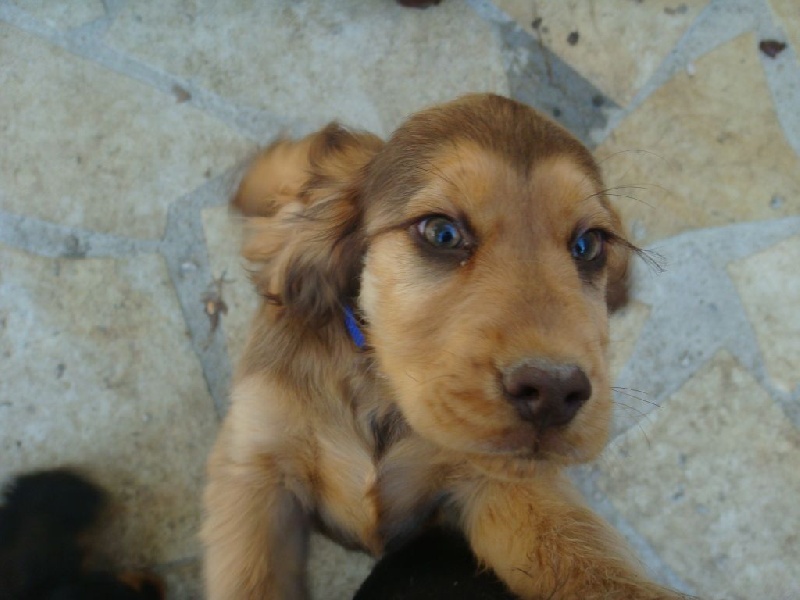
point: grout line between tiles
(697, 41)
(52, 240)
(185, 251)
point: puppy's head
(487, 256)
(493, 255)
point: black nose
(547, 395)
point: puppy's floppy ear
(303, 227)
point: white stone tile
(615, 44)
(63, 15)
(97, 371)
(711, 481)
(366, 63)
(85, 147)
(769, 285)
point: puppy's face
(485, 283)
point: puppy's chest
(369, 485)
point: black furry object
(43, 520)
(438, 565)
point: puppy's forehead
(472, 145)
(464, 177)
(564, 182)
(469, 179)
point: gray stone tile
(63, 15)
(540, 78)
(366, 63)
(711, 481)
(183, 579)
(97, 372)
(85, 147)
(769, 285)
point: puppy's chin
(557, 445)
(533, 456)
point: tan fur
(370, 445)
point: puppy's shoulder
(265, 416)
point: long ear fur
(303, 230)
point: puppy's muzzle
(545, 394)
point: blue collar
(353, 329)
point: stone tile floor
(123, 125)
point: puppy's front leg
(255, 533)
(544, 543)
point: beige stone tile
(769, 285)
(626, 325)
(711, 481)
(789, 19)
(620, 43)
(708, 150)
(335, 573)
(223, 231)
(97, 371)
(63, 15)
(367, 63)
(85, 147)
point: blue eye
(440, 232)
(589, 245)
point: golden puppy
(476, 255)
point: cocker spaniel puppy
(431, 348)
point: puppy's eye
(441, 232)
(589, 245)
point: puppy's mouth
(523, 453)
(528, 442)
(569, 441)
